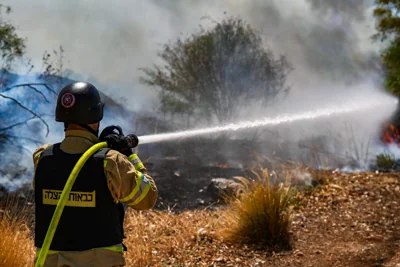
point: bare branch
(16, 124)
(31, 85)
(37, 142)
(39, 92)
(29, 110)
(6, 137)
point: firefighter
(90, 231)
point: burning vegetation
(390, 138)
(390, 129)
(391, 134)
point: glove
(122, 144)
(110, 130)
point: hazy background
(328, 43)
(325, 40)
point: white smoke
(328, 43)
(107, 42)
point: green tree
(11, 45)
(212, 73)
(388, 26)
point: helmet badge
(68, 100)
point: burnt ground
(187, 188)
(183, 170)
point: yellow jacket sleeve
(36, 157)
(127, 185)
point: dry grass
(154, 238)
(363, 237)
(167, 238)
(262, 214)
(16, 246)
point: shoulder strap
(50, 151)
(101, 153)
(53, 149)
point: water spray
(310, 115)
(268, 121)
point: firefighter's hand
(122, 144)
(112, 129)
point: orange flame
(223, 166)
(391, 134)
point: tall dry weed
(262, 214)
(16, 245)
(165, 238)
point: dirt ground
(349, 220)
(352, 220)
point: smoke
(328, 43)
(353, 9)
(29, 132)
(324, 40)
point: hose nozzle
(132, 140)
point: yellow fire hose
(61, 203)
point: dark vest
(90, 218)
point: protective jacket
(91, 219)
(109, 176)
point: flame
(223, 166)
(391, 134)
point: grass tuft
(262, 214)
(16, 246)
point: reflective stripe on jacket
(126, 184)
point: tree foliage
(11, 45)
(388, 26)
(211, 73)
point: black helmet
(79, 103)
